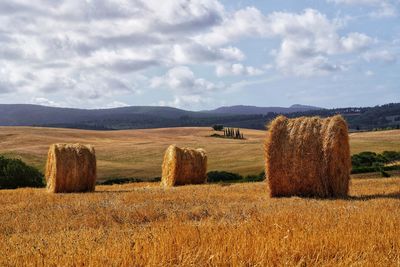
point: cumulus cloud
(384, 55)
(192, 53)
(95, 50)
(44, 102)
(185, 86)
(237, 69)
(356, 41)
(380, 8)
(245, 22)
(116, 104)
(183, 80)
(88, 49)
(308, 38)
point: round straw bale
(71, 168)
(308, 157)
(184, 166)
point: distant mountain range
(248, 110)
(140, 117)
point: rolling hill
(249, 110)
(138, 153)
(144, 117)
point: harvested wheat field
(194, 225)
(202, 225)
(139, 153)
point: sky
(199, 54)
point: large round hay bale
(308, 156)
(184, 166)
(71, 168)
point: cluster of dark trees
(366, 118)
(233, 133)
(228, 132)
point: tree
(218, 127)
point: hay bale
(71, 168)
(184, 166)
(308, 157)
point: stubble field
(204, 225)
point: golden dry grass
(136, 153)
(139, 153)
(378, 141)
(203, 225)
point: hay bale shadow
(374, 196)
(348, 198)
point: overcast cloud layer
(199, 54)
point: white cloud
(356, 41)
(232, 53)
(117, 104)
(45, 102)
(193, 53)
(308, 39)
(237, 69)
(380, 8)
(185, 87)
(369, 73)
(181, 79)
(245, 22)
(187, 101)
(381, 55)
(356, 2)
(94, 49)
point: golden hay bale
(71, 168)
(184, 166)
(308, 157)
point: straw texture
(184, 166)
(71, 168)
(308, 157)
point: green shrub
(374, 162)
(384, 174)
(356, 170)
(14, 173)
(129, 180)
(222, 176)
(391, 156)
(255, 178)
(367, 159)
